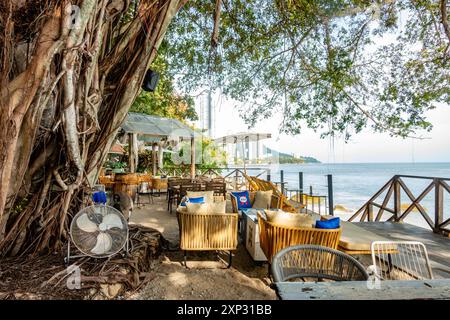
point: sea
(355, 183)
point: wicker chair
(317, 262)
(274, 238)
(204, 232)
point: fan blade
(103, 245)
(112, 221)
(83, 223)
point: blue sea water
(355, 183)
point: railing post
(438, 205)
(300, 187)
(282, 181)
(330, 195)
(268, 174)
(397, 199)
(370, 211)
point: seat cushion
(208, 195)
(197, 208)
(262, 199)
(290, 220)
(243, 199)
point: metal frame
(403, 256)
(230, 259)
(319, 262)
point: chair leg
(230, 258)
(185, 259)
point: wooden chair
(274, 202)
(400, 260)
(219, 188)
(317, 262)
(204, 232)
(274, 238)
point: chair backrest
(274, 238)
(317, 262)
(219, 188)
(184, 187)
(400, 260)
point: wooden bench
(359, 290)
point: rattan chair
(204, 232)
(274, 238)
(316, 262)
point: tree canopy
(336, 66)
(165, 101)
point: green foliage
(336, 66)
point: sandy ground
(206, 276)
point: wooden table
(358, 290)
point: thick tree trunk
(61, 111)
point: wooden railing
(394, 187)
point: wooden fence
(372, 210)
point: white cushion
(290, 220)
(217, 207)
(197, 208)
(209, 195)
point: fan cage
(102, 210)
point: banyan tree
(70, 71)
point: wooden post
(330, 195)
(397, 198)
(370, 212)
(132, 152)
(154, 160)
(268, 174)
(282, 181)
(192, 158)
(438, 205)
(160, 155)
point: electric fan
(98, 231)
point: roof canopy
(155, 128)
(243, 136)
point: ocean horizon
(355, 183)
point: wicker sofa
(274, 238)
(204, 232)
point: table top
(360, 290)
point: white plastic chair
(401, 260)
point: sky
(366, 146)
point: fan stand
(68, 256)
